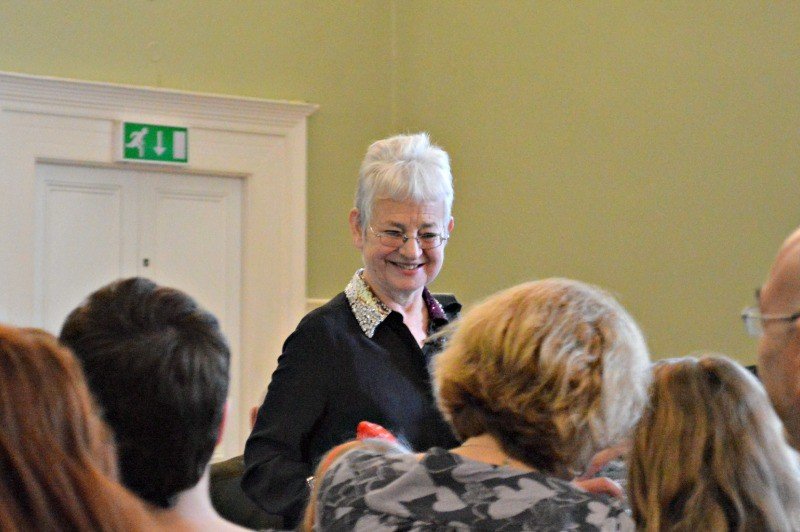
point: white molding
(87, 98)
(262, 142)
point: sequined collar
(370, 311)
(367, 308)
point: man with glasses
(775, 321)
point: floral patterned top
(369, 489)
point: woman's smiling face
(398, 274)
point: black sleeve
(276, 456)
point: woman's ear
(450, 225)
(355, 229)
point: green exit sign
(155, 143)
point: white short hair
(402, 168)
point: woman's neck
(410, 306)
(485, 448)
(417, 322)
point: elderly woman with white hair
(364, 354)
(535, 380)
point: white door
(86, 236)
(95, 225)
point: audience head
(158, 366)
(779, 345)
(554, 370)
(403, 168)
(56, 456)
(709, 453)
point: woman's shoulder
(442, 488)
(514, 498)
(371, 458)
(333, 314)
(334, 305)
(320, 334)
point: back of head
(158, 365)
(709, 453)
(56, 455)
(400, 168)
(555, 370)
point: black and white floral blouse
(373, 490)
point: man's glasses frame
(754, 320)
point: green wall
(335, 53)
(651, 148)
(648, 147)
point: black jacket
(330, 377)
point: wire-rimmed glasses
(754, 320)
(395, 239)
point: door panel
(96, 225)
(191, 240)
(192, 230)
(86, 238)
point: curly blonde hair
(554, 369)
(709, 453)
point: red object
(367, 430)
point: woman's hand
(602, 485)
(605, 456)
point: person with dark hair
(57, 463)
(158, 366)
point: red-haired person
(57, 458)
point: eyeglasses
(396, 239)
(754, 320)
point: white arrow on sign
(159, 149)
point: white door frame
(262, 142)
